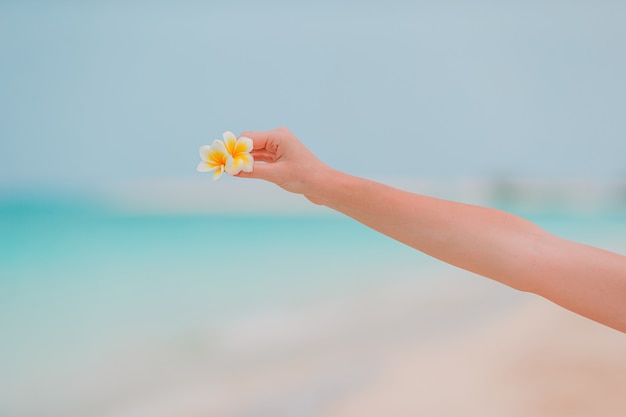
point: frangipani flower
(231, 156)
(240, 150)
(215, 158)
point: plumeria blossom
(231, 156)
(240, 150)
(215, 158)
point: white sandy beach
(539, 360)
(517, 355)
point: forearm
(456, 233)
(489, 242)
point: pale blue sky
(99, 92)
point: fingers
(264, 156)
(269, 140)
(260, 171)
(269, 149)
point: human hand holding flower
(282, 159)
(276, 156)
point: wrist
(323, 186)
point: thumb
(259, 171)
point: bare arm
(489, 242)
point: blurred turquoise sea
(185, 266)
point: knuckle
(273, 143)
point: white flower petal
(228, 136)
(245, 144)
(218, 173)
(232, 166)
(219, 145)
(230, 142)
(204, 152)
(204, 167)
(246, 162)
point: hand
(279, 157)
